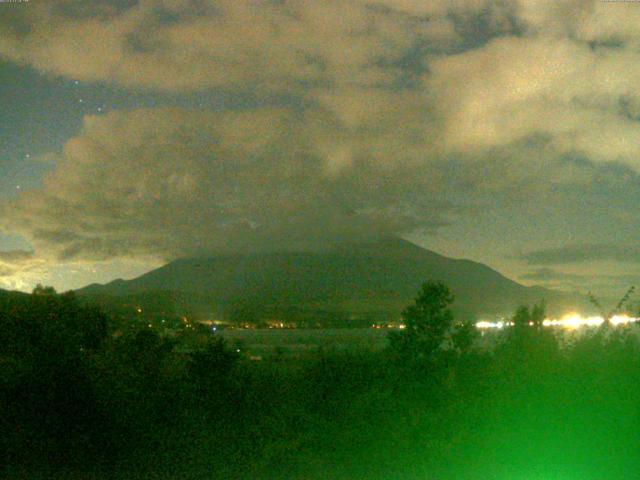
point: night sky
(133, 133)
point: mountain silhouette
(362, 280)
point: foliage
(212, 367)
(464, 336)
(526, 317)
(429, 327)
(427, 322)
(527, 342)
(46, 323)
(141, 406)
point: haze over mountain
(364, 280)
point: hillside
(368, 280)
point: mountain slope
(371, 279)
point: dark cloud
(551, 275)
(15, 255)
(582, 253)
(610, 285)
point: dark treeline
(77, 401)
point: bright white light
(622, 319)
(484, 324)
(570, 321)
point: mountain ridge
(372, 278)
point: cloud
(558, 90)
(16, 265)
(15, 255)
(407, 114)
(293, 46)
(182, 45)
(487, 73)
(582, 253)
(174, 182)
(550, 275)
(612, 285)
(170, 182)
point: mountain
(356, 281)
(11, 294)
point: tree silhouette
(49, 325)
(42, 290)
(464, 336)
(538, 314)
(521, 320)
(427, 322)
(527, 317)
(527, 342)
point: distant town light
(570, 321)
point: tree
(42, 290)
(215, 361)
(427, 322)
(527, 341)
(464, 336)
(538, 314)
(526, 317)
(521, 320)
(50, 325)
(211, 370)
(49, 342)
